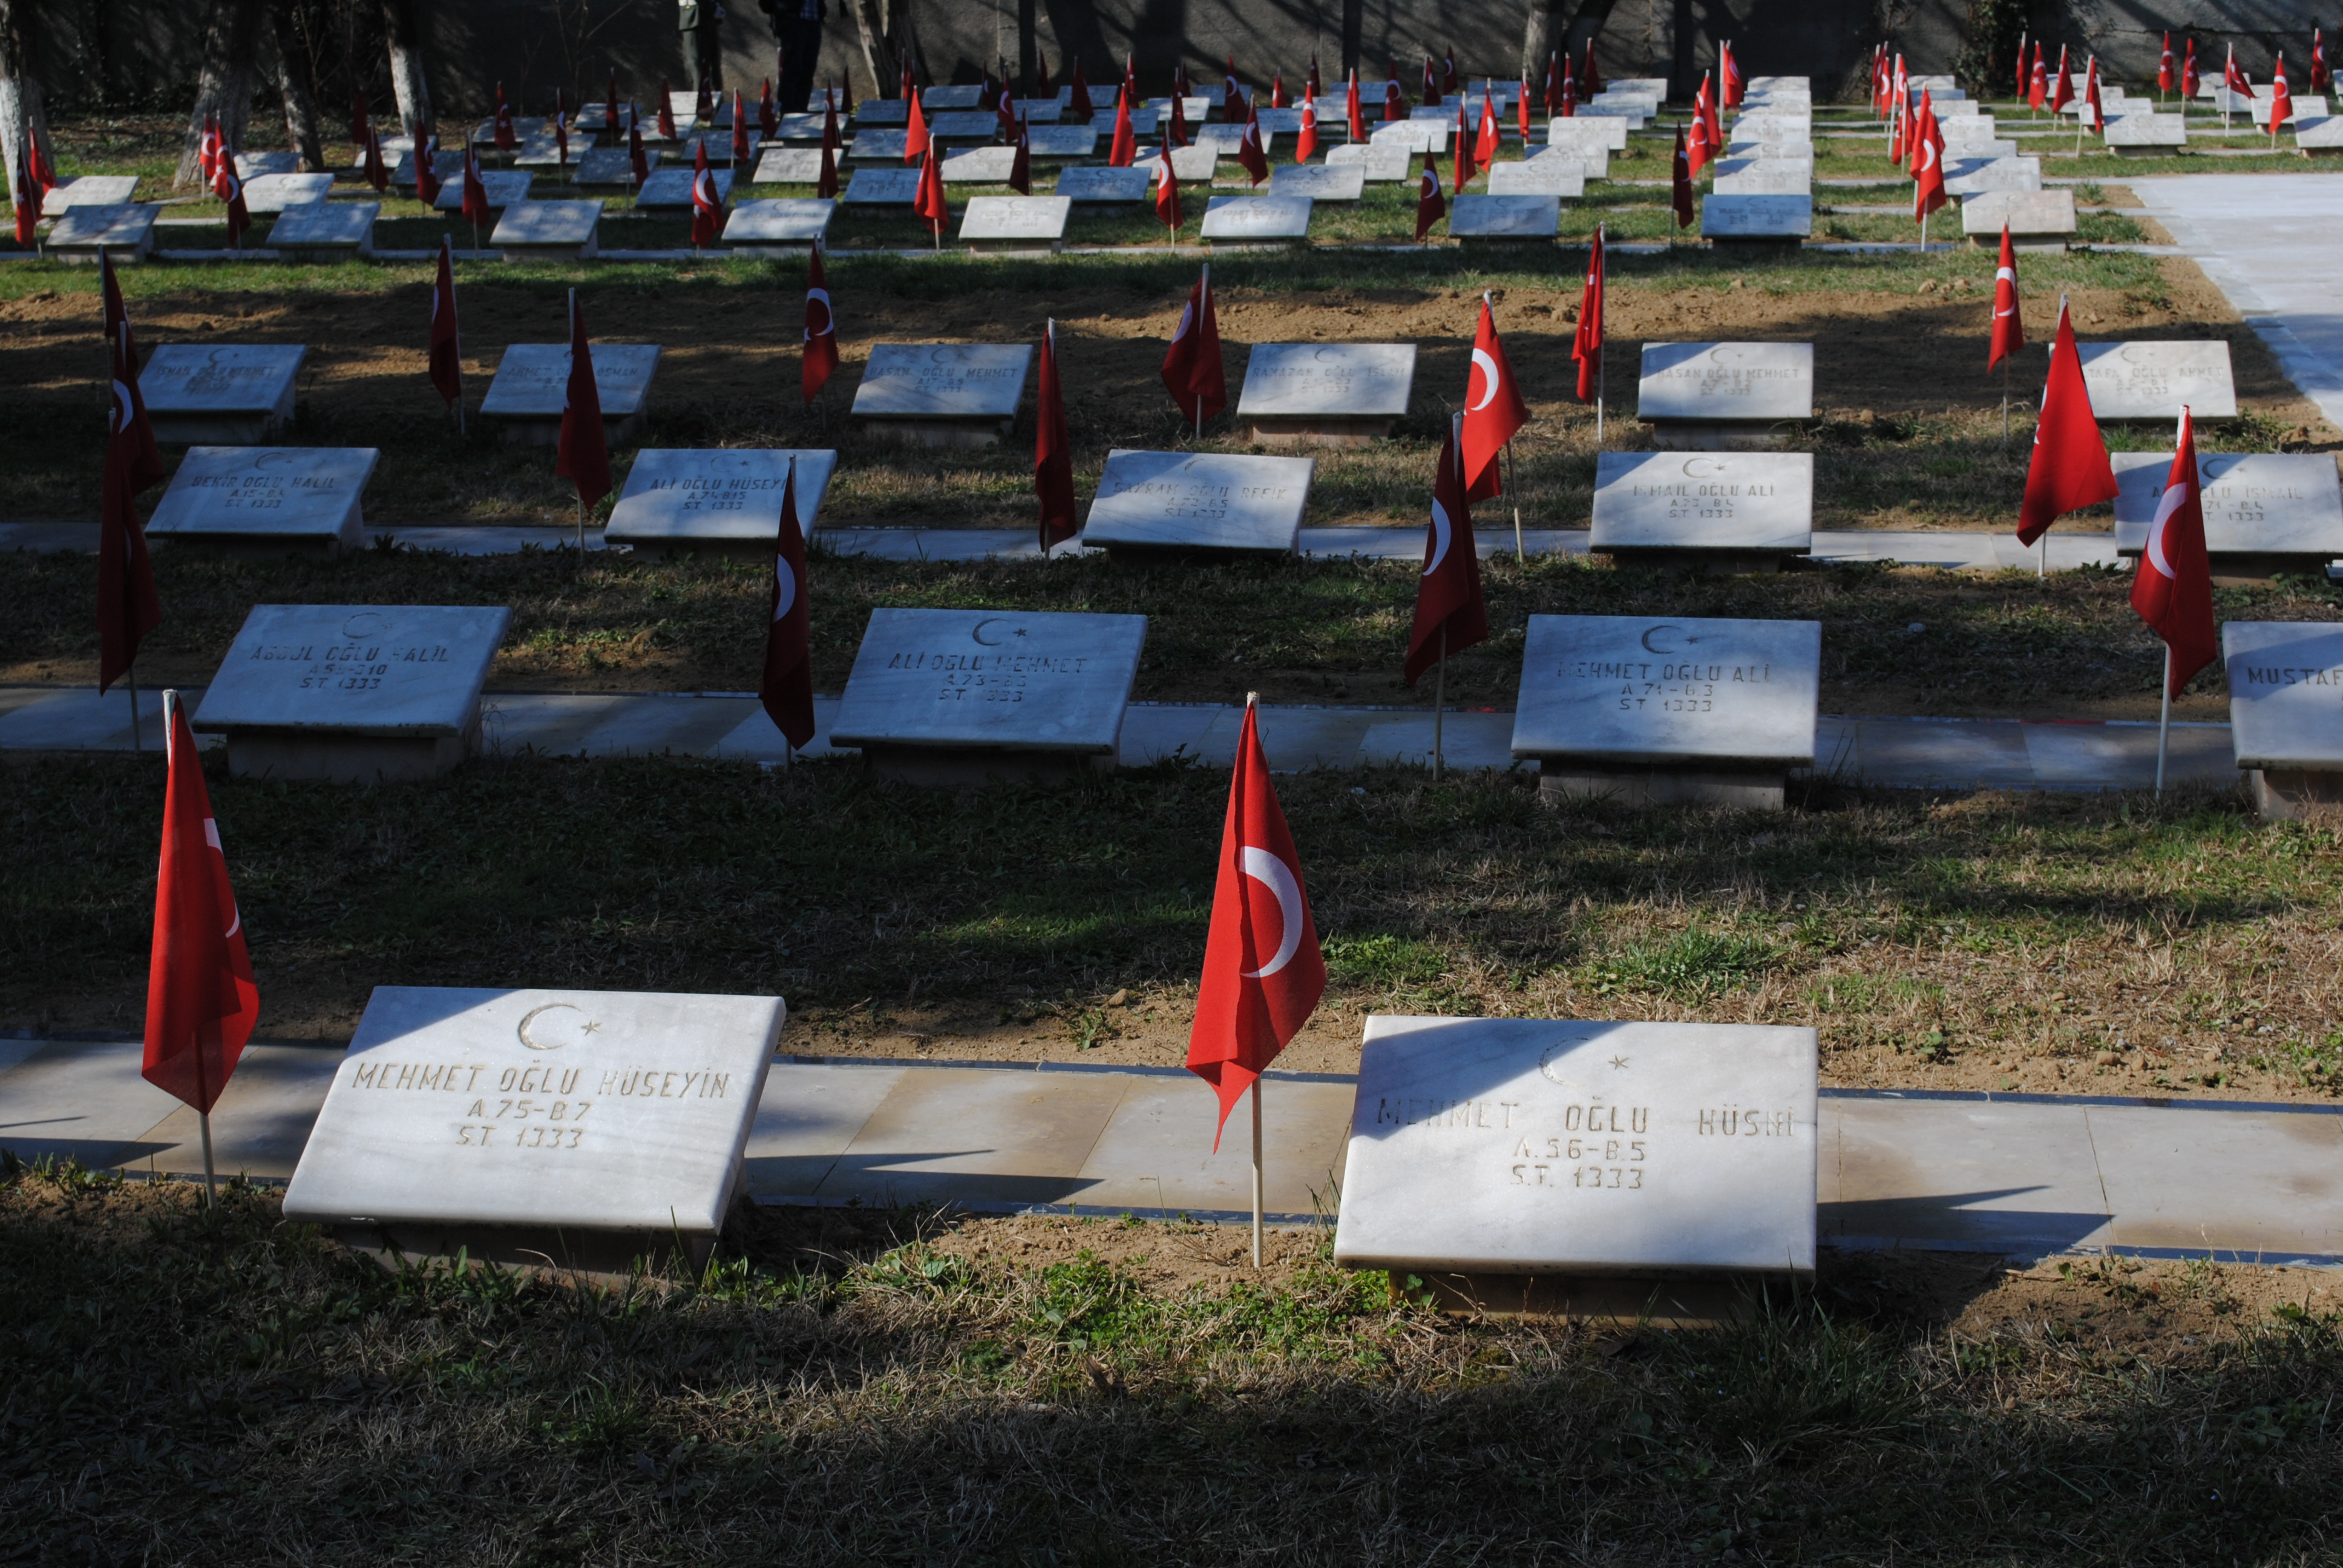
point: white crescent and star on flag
(1485, 364)
(828, 321)
(1278, 877)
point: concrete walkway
(2025, 1176)
(1909, 753)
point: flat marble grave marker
(2311, 137)
(1537, 176)
(670, 190)
(2145, 135)
(276, 192)
(963, 97)
(123, 232)
(1257, 219)
(980, 167)
(2030, 214)
(943, 394)
(1382, 163)
(725, 500)
(1738, 511)
(548, 230)
(1968, 177)
(505, 186)
(447, 166)
(1665, 710)
(1335, 393)
(1764, 177)
(778, 225)
(1104, 185)
(2285, 713)
(967, 126)
(1729, 218)
(353, 693)
(1607, 132)
(883, 112)
(282, 495)
(586, 1130)
(949, 696)
(1504, 219)
(229, 395)
(1181, 502)
(877, 147)
(2150, 381)
(883, 187)
(1702, 396)
(252, 166)
(532, 382)
(1318, 182)
(609, 166)
(1643, 1171)
(1061, 141)
(1015, 223)
(790, 167)
(91, 190)
(2265, 512)
(1416, 137)
(325, 231)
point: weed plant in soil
(856, 1387)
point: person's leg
(801, 49)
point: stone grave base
(1753, 791)
(263, 547)
(938, 432)
(755, 551)
(346, 758)
(329, 254)
(1759, 247)
(1505, 241)
(1689, 435)
(775, 248)
(2168, 150)
(220, 430)
(1659, 1302)
(86, 255)
(1270, 242)
(595, 1253)
(2239, 569)
(1719, 563)
(586, 251)
(957, 767)
(1014, 246)
(2286, 796)
(545, 430)
(1307, 431)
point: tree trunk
(402, 20)
(1550, 26)
(21, 112)
(224, 88)
(877, 53)
(296, 82)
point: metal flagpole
(138, 741)
(1204, 304)
(2004, 397)
(2164, 724)
(1512, 483)
(1599, 357)
(581, 528)
(1439, 704)
(1256, 1172)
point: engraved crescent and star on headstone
(589, 1027)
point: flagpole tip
(1253, 700)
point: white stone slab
(789, 167)
(542, 227)
(978, 126)
(1037, 111)
(981, 165)
(2145, 130)
(307, 493)
(1222, 137)
(876, 147)
(337, 227)
(1476, 217)
(1591, 160)
(1240, 219)
(944, 380)
(401, 670)
(805, 127)
(124, 231)
(505, 186)
(532, 380)
(2035, 214)
(1017, 681)
(91, 190)
(1317, 181)
(1733, 502)
(1778, 127)
(1725, 215)
(670, 189)
(2152, 380)
(883, 112)
(2309, 135)
(1677, 692)
(1604, 131)
(540, 152)
(447, 166)
(1189, 165)
(1039, 220)
(1763, 178)
(727, 494)
(1643, 87)
(2256, 504)
(1104, 185)
(1968, 177)
(1758, 383)
(1063, 141)
(1337, 380)
(883, 187)
(1760, 85)
(1379, 163)
(965, 97)
(275, 193)
(219, 393)
(250, 166)
(609, 166)
(544, 1110)
(1279, 121)
(719, 147)
(1417, 136)
(1537, 176)
(1535, 1146)
(2285, 694)
(783, 223)
(1199, 501)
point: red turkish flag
(786, 687)
(1680, 197)
(768, 113)
(2008, 325)
(128, 605)
(145, 459)
(1053, 455)
(1927, 161)
(476, 192)
(2164, 66)
(665, 118)
(1464, 169)
(2069, 469)
(821, 327)
(201, 1000)
(1395, 103)
(426, 172)
(2039, 91)
(1253, 153)
(1193, 370)
(1590, 79)
(707, 206)
(2062, 85)
(1489, 140)
(831, 139)
(1263, 972)
(1522, 114)
(930, 204)
(1431, 84)
(915, 132)
(583, 456)
(1174, 121)
(1316, 91)
(1078, 105)
(2319, 76)
(1305, 144)
(1166, 191)
(1698, 147)
(1451, 614)
(2236, 80)
(1020, 163)
(740, 130)
(1731, 85)
(230, 190)
(504, 134)
(1431, 207)
(1552, 84)
(1493, 409)
(825, 182)
(371, 166)
(638, 161)
(2173, 590)
(1277, 91)
(28, 201)
(2281, 99)
(361, 123)
(2188, 73)
(446, 348)
(1355, 113)
(1587, 346)
(1568, 91)
(1122, 149)
(2095, 115)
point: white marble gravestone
(1725, 511)
(1037, 111)
(286, 495)
(790, 167)
(1380, 163)
(964, 96)
(943, 394)
(609, 166)
(1504, 219)
(1775, 219)
(1189, 165)
(2285, 713)
(980, 167)
(883, 187)
(1700, 397)
(719, 148)
(1596, 1170)
(447, 166)
(1339, 394)
(1318, 182)
(975, 126)
(1104, 185)
(670, 189)
(1968, 177)
(325, 231)
(1015, 223)
(881, 111)
(91, 190)
(1763, 178)
(250, 166)
(548, 230)
(2145, 135)
(505, 186)
(778, 225)
(2311, 137)
(1061, 142)
(275, 193)
(2265, 512)
(1192, 502)
(532, 383)
(353, 693)
(1658, 711)
(2150, 381)
(726, 500)
(1537, 176)
(877, 147)
(229, 395)
(569, 1129)
(1592, 161)
(124, 232)
(2030, 215)
(1261, 220)
(1416, 137)
(957, 696)
(1605, 131)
